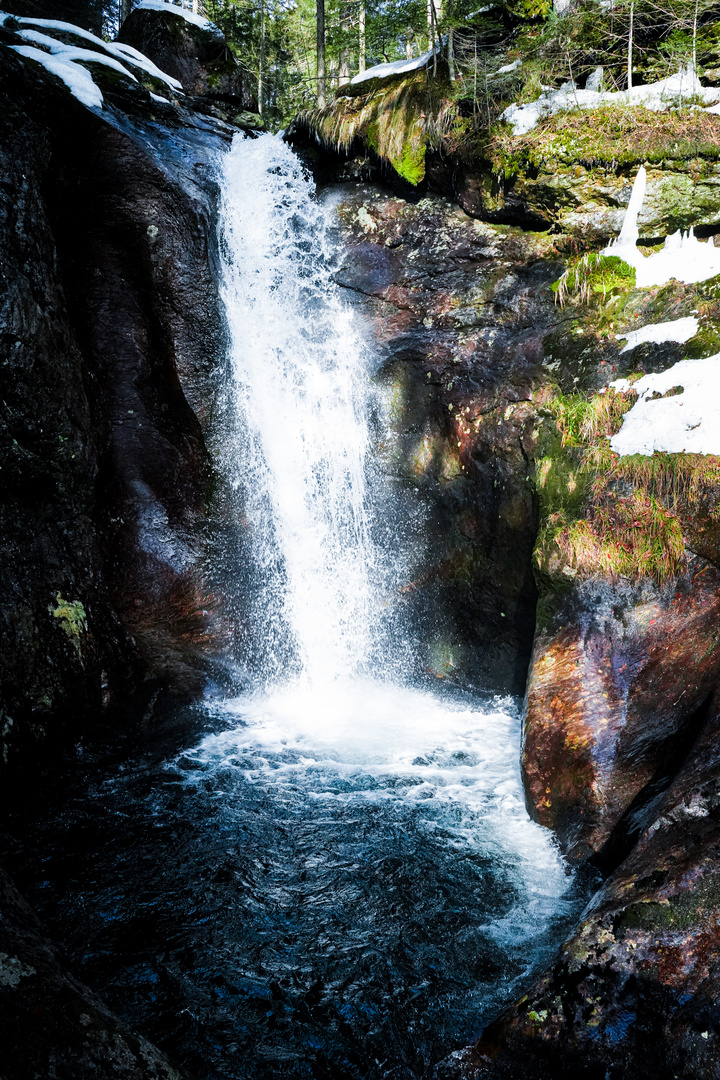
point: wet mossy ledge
(391, 118)
(571, 173)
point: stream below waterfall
(332, 873)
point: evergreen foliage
(276, 42)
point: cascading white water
(333, 736)
(301, 394)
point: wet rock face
(52, 1025)
(621, 725)
(199, 57)
(459, 311)
(110, 325)
(619, 685)
(633, 993)
(589, 204)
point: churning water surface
(340, 879)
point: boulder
(191, 49)
(619, 685)
(633, 993)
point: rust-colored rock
(633, 993)
(616, 689)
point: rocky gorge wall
(504, 422)
(111, 326)
(545, 552)
(111, 338)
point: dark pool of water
(255, 922)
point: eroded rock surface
(459, 310)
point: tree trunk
(630, 51)
(435, 43)
(361, 53)
(450, 40)
(345, 27)
(320, 53)
(695, 22)
(261, 66)
(124, 12)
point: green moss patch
(609, 136)
(73, 619)
(397, 118)
(592, 276)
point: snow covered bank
(687, 420)
(73, 53)
(67, 62)
(680, 330)
(656, 96)
(78, 79)
(684, 257)
(115, 49)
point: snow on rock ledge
(381, 71)
(656, 96)
(78, 79)
(45, 42)
(676, 412)
(679, 330)
(114, 49)
(173, 9)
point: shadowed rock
(52, 1025)
(198, 56)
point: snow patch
(656, 96)
(77, 79)
(116, 49)
(134, 56)
(509, 67)
(680, 330)
(72, 52)
(686, 422)
(173, 9)
(683, 257)
(396, 67)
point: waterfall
(300, 395)
(387, 798)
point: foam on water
(450, 764)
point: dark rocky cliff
(111, 325)
(111, 329)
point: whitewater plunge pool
(341, 888)
(332, 875)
